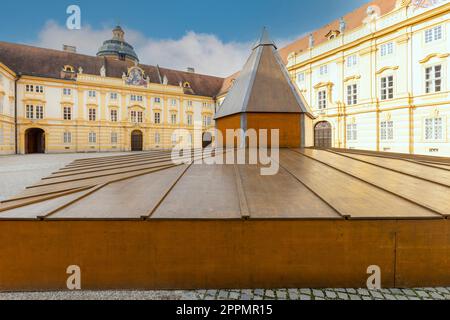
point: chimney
(71, 49)
(190, 70)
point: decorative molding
(368, 50)
(356, 77)
(434, 55)
(386, 68)
(324, 84)
(403, 38)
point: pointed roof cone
(264, 40)
(264, 85)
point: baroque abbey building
(375, 79)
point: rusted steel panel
(348, 195)
(424, 193)
(129, 199)
(431, 174)
(161, 254)
(196, 254)
(281, 196)
(423, 254)
(204, 192)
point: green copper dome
(117, 47)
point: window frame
(322, 96)
(352, 132)
(433, 129)
(430, 83)
(387, 49)
(385, 92)
(352, 94)
(92, 137)
(92, 114)
(67, 113)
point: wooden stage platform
(140, 222)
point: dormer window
(186, 85)
(333, 34)
(68, 68)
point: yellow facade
(7, 101)
(73, 135)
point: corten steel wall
(288, 125)
(223, 254)
(231, 122)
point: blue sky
(233, 24)
(236, 20)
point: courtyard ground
(17, 172)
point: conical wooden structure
(264, 97)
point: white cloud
(205, 52)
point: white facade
(370, 83)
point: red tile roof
(47, 63)
(353, 20)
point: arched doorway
(34, 141)
(207, 139)
(137, 141)
(323, 135)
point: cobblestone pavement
(17, 172)
(244, 295)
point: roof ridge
(100, 59)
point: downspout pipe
(15, 114)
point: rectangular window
(322, 100)
(137, 98)
(29, 88)
(140, 117)
(157, 118)
(30, 112)
(301, 77)
(92, 114)
(92, 94)
(433, 34)
(323, 70)
(174, 102)
(67, 113)
(92, 137)
(189, 103)
(352, 132)
(157, 100)
(114, 115)
(352, 61)
(133, 116)
(113, 96)
(67, 92)
(207, 121)
(157, 138)
(174, 138)
(387, 130)
(39, 89)
(352, 94)
(433, 79)
(189, 120)
(387, 88)
(173, 118)
(39, 112)
(387, 49)
(434, 129)
(113, 137)
(67, 137)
